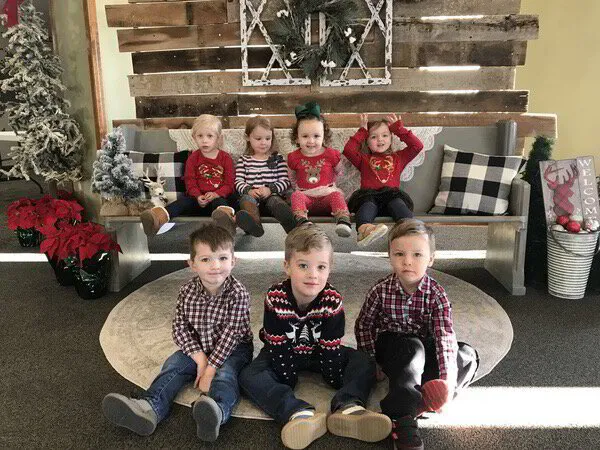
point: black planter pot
(64, 270)
(91, 279)
(28, 237)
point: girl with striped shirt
(261, 179)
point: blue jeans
(179, 369)
(189, 206)
(371, 208)
(261, 384)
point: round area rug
(136, 337)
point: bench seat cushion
(474, 183)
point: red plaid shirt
(427, 312)
(212, 324)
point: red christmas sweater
(204, 174)
(382, 170)
(314, 171)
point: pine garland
(50, 143)
(315, 60)
(113, 176)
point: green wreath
(315, 60)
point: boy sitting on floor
(303, 328)
(212, 330)
(406, 323)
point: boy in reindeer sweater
(303, 328)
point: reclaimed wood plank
(402, 80)
(412, 8)
(166, 14)
(528, 124)
(404, 55)
(487, 28)
(189, 105)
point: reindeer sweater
(204, 175)
(310, 172)
(293, 337)
(383, 170)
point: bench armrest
(520, 191)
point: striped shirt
(211, 324)
(425, 313)
(251, 173)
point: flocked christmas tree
(50, 142)
(113, 176)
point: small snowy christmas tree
(113, 176)
(50, 142)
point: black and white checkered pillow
(169, 165)
(474, 183)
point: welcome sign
(570, 189)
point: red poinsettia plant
(43, 213)
(81, 241)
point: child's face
(207, 139)
(260, 140)
(410, 256)
(308, 273)
(380, 139)
(213, 267)
(310, 137)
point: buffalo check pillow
(170, 167)
(474, 183)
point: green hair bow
(310, 109)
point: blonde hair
(370, 126)
(262, 122)
(408, 227)
(208, 121)
(305, 238)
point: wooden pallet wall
(187, 61)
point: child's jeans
(333, 203)
(260, 383)
(369, 210)
(179, 369)
(409, 362)
(189, 205)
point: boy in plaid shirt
(212, 330)
(406, 323)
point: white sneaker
(368, 238)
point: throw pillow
(169, 165)
(474, 183)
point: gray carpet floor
(54, 374)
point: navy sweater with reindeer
(298, 339)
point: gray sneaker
(208, 416)
(133, 414)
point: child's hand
(392, 118)
(364, 121)
(264, 192)
(201, 362)
(379, 375)
(210, 196)
(206, 379)
(254, 193)
(202, 201)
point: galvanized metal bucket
(570, 257)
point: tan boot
(154, 218)
(248, 218)
(223, 217)
(369, 233)
(367, 426)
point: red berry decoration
(562, 220)
(573, 227)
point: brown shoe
(223, 217)
(301, 432)
(367, 426)
(248, 218)
(154, 218)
